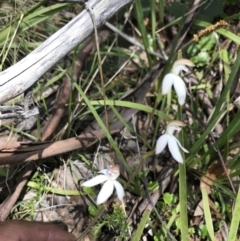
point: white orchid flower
(174, 79)
(169, 139)
(108, 176)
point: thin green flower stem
(139, 232)
(235, 220)
(182, 182)
(183, 201)
(183, 190)
(207, 213)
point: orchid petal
(95, 181)
(105, 193)
(180, 89)
(119, 190)
(178, 142)
(167, 83)
(174, 150)
(161, 143)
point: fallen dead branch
(19, 77)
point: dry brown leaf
(215, 170)
(199, 209)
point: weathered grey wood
(19, 77)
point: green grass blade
(227, 87)
(235, 220)
(30, 20)
(161, 7)
(207, 213)
(183, 201)
(139, 15)
(153, 22)
(141, 226)
(131, 105)
(198, 144)
(58, 191)
(183, 189)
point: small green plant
(200, 51)
(116, 221)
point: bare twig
(61, 102)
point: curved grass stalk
(58, 191)
(235, 220)
(207, 213)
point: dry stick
(36, 151)
(59, 109)
(217, 150)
